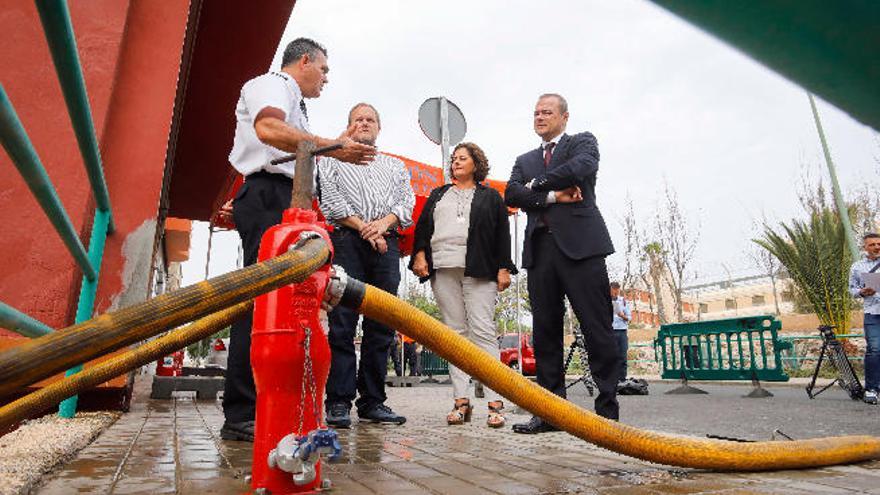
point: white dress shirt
(551, 195)
(274, 89)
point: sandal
(461, 412)
(496, 417)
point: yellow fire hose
(36, 402)
(44, 356)
(650, 446)
(374, 303)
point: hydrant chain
(307, 376)
(310, 376)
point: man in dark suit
(564, 251)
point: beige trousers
(467, 305)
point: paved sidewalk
(174, 447)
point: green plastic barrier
(432, 364)
(731, 349)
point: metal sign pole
(444, 138)
(516, 289)
(208, 257)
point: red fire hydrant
(170, 365)
(290, 356)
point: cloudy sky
(666, 101)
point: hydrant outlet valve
(299, 455)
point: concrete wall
(130, 52)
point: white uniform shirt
(277, 90)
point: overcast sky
(666, 101)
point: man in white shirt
(620, 325)
(271, 122)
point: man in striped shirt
(366, 205)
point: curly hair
(481, 163)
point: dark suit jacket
(578, 228)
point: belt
(262, 174)
(542, 230)
(342, 228)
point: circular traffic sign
(429, 121)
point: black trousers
(394, 352)
(552, 277)
(368, 379)
(257, 206)
(411, 358)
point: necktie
(548, 153)
(302, 107)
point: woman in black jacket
(462, 244)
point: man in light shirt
(366, 205)
(871, 300)
(271, 122)
(620, 325)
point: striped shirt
(368, 192)
(860, 267)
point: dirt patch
(40, 445)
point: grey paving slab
(173, 446)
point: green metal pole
(842, 210)
(24, 156)
(67, 408)
(12, 319)
(62, 43)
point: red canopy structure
(424, 178)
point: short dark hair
(870, 235)
(563, 104)
(481, 163)
(615, 285)
(299, 47)
(371, 107)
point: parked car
(218, 353)
(510, 352)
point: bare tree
(864, 204)
(679, 241)
(630, 247)
(654, 255)
(505, 308)
(769, 265)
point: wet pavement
(173, 446)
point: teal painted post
(24, 156)
(62, 44)
(12, 319)
(87, 291)
(842, 210)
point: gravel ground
(40, 445)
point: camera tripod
(846, 377)
(579, 345)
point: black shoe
(535, 425)
(382, 414)
(243, 431)
(339, 415)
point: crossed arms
(561, 182)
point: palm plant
(815, 254)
